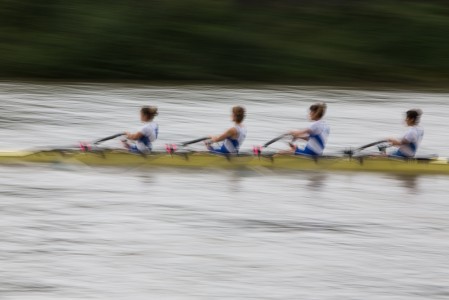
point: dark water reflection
(411, 182)
(317, 181)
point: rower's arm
(231, 132)
(398, 142)
(300, 134)
(134, 136)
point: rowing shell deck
(206, 160)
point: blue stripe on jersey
(319, 139)
(223, 149)
(413, 146)
(145, 140)
(233, 142)
(319, 132)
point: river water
(71, 232)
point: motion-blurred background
(296, 41)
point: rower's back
(232, 145)
(319, 133)
(149, 131)
(414, 135)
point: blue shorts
(305, 151)
(218, 150)
(133, 149)
(398, 153)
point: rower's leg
(293, 149)
(126, 144)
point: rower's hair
(415, 115)
(239, 113)
(149, 111)
(319, 109)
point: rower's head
(413, 116)
(238, 114)
(147, 113)
(317, 111)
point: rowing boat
(120, 158)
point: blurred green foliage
(339, 41)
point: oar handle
(108, 138)
(275, 140)
(171, 148)
(195, 141)
(351, 152)
(371, 144)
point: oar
(371, 144)
(257, 150)
(107, 138)
(83, 146)
(194, 141)
(351, 152)
(87, 146)
(173, 147)
(275, 140)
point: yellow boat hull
(207, 160)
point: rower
(408, 144)
(315, 134)
(233, 137)
(145, 137)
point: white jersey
(233, 145)
(150, 132)
(319, 132)
(413, 138)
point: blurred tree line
(301, 42)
